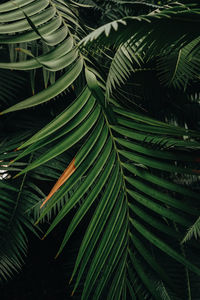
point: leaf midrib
(123, 180)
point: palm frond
(193, 231)
(147, 29)
(140, 36)
(54, 23)
(125, 61)
(124, 165)
(119, 160)
(179, 68)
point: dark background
(42, 276)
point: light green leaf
(60, 85)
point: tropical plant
(133, 174)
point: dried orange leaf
(65, 175)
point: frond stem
(122, 174)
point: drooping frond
(118, 158)
(125, 61)
(54, 22)
(142, 36)
(125, 166)
(179, 67)
(148, 30)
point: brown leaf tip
(63, 178)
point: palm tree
(128, 162)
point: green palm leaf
(125, 164)
(193, 231)
(125, 61)
(153, 25)
(179, 67)
(117, 193)
(60, 85)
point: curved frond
(180, 67)
(118, 159)
(125, 61)
(193, 231)
(126, 169)
(53, 23)
(148, 29)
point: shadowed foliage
(106, 120)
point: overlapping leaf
(180, 67)
(122, 30)
(122, 159)
(123, 63)
(49, 22)
(126, 168)
(140, 36)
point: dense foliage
(107, 92)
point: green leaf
(160, 181)
(23, 25)
(90, 198)
(155, 222)
(47, 29)
(105, 248)
(60, 85)
(143, 251)
(193, 231)
(17, 14)
(66, 143)
(162, 197)
(9, 5)
(164, 247)
(97, 223)
(68, 114)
